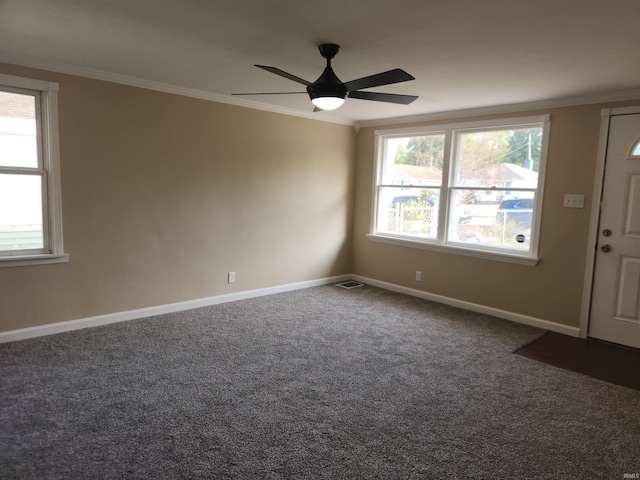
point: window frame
(48, 168)
(441, 243)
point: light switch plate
(574, 201)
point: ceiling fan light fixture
(327, 103)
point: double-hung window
(30, 210)
(470, 188)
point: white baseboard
(473, 307)
(50, 329)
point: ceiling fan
(328, 92)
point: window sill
(489, 255)
(38, 259)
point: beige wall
(163, 195)
(552, 290)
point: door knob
(605, 248)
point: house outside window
(30, 210)
(469, 188)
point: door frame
(594, 224)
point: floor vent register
(350, 284)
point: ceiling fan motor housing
(328, 84)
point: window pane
(414, 160)
(499, 159)
(408, 211)
(636, 150)
(504, 221)
(21, 212)
(18, 138)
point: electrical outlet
(574, 201)
(232, 277)
(418, 276)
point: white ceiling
(465, 54)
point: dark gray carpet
(316, 383)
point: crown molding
(572, 101)
(606, 97)
(168, 88)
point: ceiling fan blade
(284, 74)
(270, 93)
(384, 97)
(385, 78)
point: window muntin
(30, 216)
(488, 194)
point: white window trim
(51, 164)
(502, 254)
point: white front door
(615, 307)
